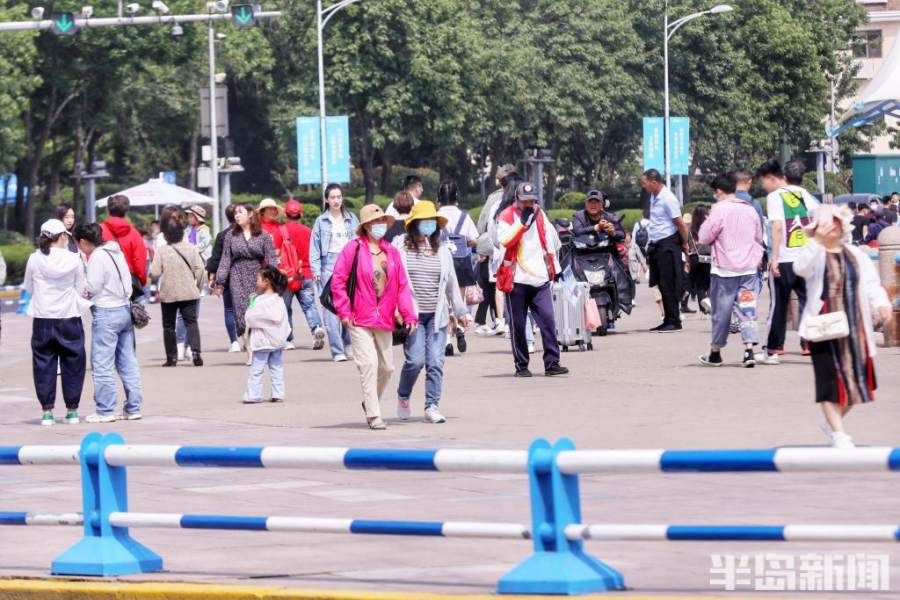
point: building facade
(873, 43)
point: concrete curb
(67, 589)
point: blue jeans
(306, 296)
(262, 359)
(112, 350)
(230, 326)
(738, 296)
(338, 335)
(424, 349)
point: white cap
(53, 227)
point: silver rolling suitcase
(568, 312)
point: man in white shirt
(668, 240)
(790, 209)
(414, 187)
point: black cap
(526, 191)
(596, 195)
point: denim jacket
(321, 238)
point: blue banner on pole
(309, 167)
(680, 138)
(654, 157)
(337, 150)
(9, 184)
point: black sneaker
(669, 328)
(713, 359)
(198, 361)
(749, 360)
(461, 340)
(554, 370)
(687, 309)
(448, 351)
(657, 328)
(523, 373)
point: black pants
(780, 289)
(667, 272)
(539, 301)
(188, 310)
(58, 343)
(490, 290)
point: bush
(571, 200)
(629, 217)
(16, 256)
(9, 237)
(475, 212)
(560, 213)
(833, 184)
(310, 213)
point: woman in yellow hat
(432, 277)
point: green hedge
(572, 200)
(16, 255)
(630, 216)
(560, 213)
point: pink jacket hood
(369, 311)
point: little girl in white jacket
(267, 321)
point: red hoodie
(273, 228)
(118, 229)
(300, 236)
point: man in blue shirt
(668, 239)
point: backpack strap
(121, 281)
(459, 223)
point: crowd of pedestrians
(414, 274)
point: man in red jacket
(117, 229)
(300, 236)
(268, 219)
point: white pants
(373, 353)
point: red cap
(292, 208)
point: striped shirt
(424, 268)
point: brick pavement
(636, 390)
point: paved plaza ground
(635, 390)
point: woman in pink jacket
(379, 292)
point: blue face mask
(377, 231)
(427, 228)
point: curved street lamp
(668, 31)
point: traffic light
(63, 23)
(243, 15)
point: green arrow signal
(64, 23)
(243, 15)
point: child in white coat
(267, 321)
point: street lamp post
(669, 30)
(322, 18)
(213, 129)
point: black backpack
(642, 238)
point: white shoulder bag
(827, 326)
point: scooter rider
(595, 219)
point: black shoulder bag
(327, 298)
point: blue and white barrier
(559, 564)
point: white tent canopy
(157, 192)
(879, 97)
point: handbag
(592, 319)
(827, 326)
(140, 318)
(474, 295)
(327, 296)
(400, 334)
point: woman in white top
(330, 233)
(112, 333)
(54, 278)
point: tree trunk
(387, 166)
(367, 155)
(195, 140)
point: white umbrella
(157, 192)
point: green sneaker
(72, 417)
(47, 418)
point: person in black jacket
(212, 265)
(595, 219)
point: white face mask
(377, 231)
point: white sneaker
(188, 353)
(839, 439)
(340, 358)
(318, 338)
(403, 410)
(764, 358)
(482, 330)
(180, 352)
(530, 348)
(289, 346)
(500, 327)
(706, 304)
(234, 347)
(95, 418)
(135, 416)
(433, 416)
